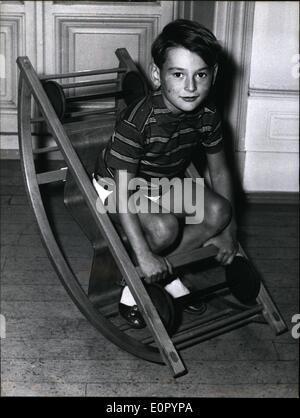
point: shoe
(164, 305)
(132, 316)
(197, 308)
(242, 280)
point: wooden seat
(79, 140)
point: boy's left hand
(227, 243)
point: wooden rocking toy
(79, 136)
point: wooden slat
(90, 112)
(89, 97)
(193, 324)
(45, 150)
(79, 114)
(214, 333)
(270, 311)
(89, 83)
(219, 324)
(52, 176)
(82, 73)
(117, 93)
(37, 120)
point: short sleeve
(126, 147)
(212, 125)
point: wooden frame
(164, 351)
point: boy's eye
(202, 75)
(178, 74)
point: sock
(127, 298)
(176, 289)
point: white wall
(272, 135)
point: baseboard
(288, 198)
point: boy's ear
(154, 74)
(215, 71)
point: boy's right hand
(153, 267)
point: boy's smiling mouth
(189, 98)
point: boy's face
(185, 80)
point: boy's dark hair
(187, 34)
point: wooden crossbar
(232, 325)
(91, 112)
(193, 324)
(218, 324)
(83, 73)
(75, 115)
(89, 83)
(185, 258)
(52, 176)
(45, 150)
(39, 119)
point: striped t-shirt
(150, 141)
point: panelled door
(63, 36)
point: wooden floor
(50, 349)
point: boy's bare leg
(216, 215)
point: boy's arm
(221, 181)
(153, 266)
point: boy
(157, 137)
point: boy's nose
(190, 84)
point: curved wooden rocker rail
(164, 350)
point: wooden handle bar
(183, 259)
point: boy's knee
(162, 232)
(220, 213)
